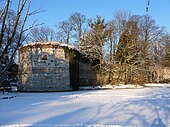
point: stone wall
(87, 75)
(166, 71)
(164, 75)
(44, 67)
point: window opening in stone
(44, 57)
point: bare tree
(42, 33)
(71, 30)
(64, 29)
(127, 51)
(150, 37)
(109, 49)
(77, 21)
(13, 32)
(120, 19)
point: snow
(157, 85)
(145, 107)
(52, 43)
(127, 86)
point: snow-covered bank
(125, 86)
(157, 85)
(131, 86)
(128, 86)
(147, 107)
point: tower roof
(51, 43)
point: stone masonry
(44, 67)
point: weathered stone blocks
(44, 67)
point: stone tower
(47, 67)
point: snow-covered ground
(146, 107)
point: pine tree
(128, 52)
(93, 41)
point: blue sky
(59, 10)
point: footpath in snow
(146, 107)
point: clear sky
(59, 10)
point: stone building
(53, 67)
(59, 67)
(48, 67)
(87, 75)
(163, 75)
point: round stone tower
(46, 67)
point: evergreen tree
(128, 52)
(93, 41)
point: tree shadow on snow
(152, 110)
(158, 123)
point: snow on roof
(51, 43)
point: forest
(129, 49)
